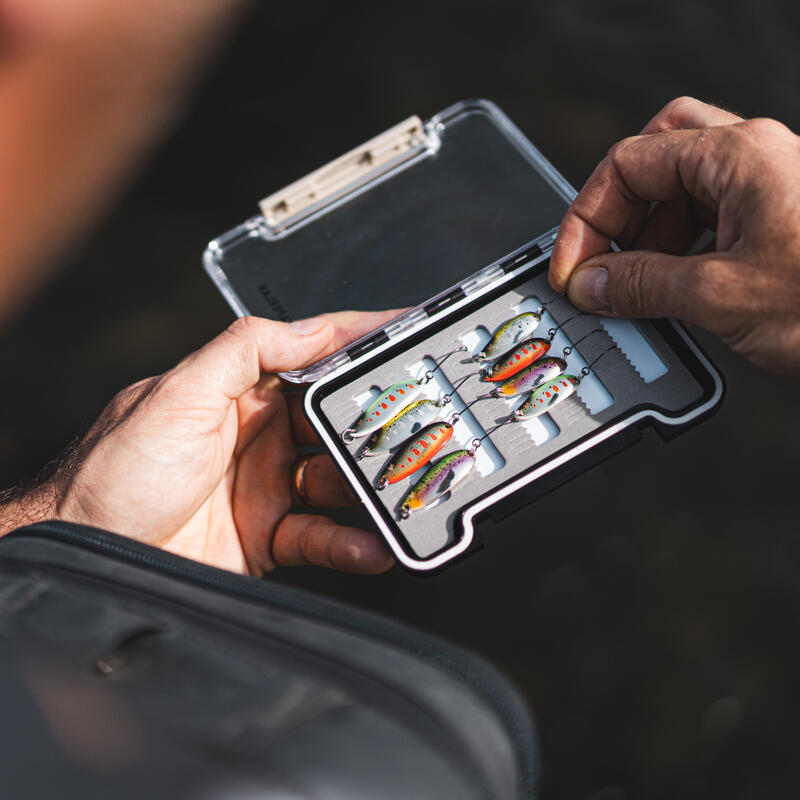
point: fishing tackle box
(453, 220)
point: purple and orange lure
(522, 357)
(442, 476)
(418, 452)
(541, 371)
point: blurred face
(85, 87)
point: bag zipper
(441, 655)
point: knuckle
(674, 111)
(763, 128)
(629, 287)
(618, 148)
(243, 327)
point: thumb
(643, 283)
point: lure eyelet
(348, 435)
(405, 511)
(381, 485)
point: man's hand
(703, 167)
(200, 460)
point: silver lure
(388, 404)
(510, 334)
(401, 427)
(547, 396)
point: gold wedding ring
(300, 479)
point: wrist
(20, 506)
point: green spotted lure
(391, 402)
(510, 334)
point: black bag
(126, 671)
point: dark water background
(651, 612)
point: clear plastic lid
(410, 219)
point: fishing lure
(391, 402)
(444, 475)
(554, 392)
(509, 334)
(418, 452)
(512, 332)
(540, 371)
(528, 352)
(548, 395)
(524, 355)
(401, 427)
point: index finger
(656, 167)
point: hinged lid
(418, 217)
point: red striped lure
(418, 452)
(520, 358)
(391, 402)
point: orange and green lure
(418, 452)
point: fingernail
(588, 289)
(305, 327)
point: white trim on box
(469, 513)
